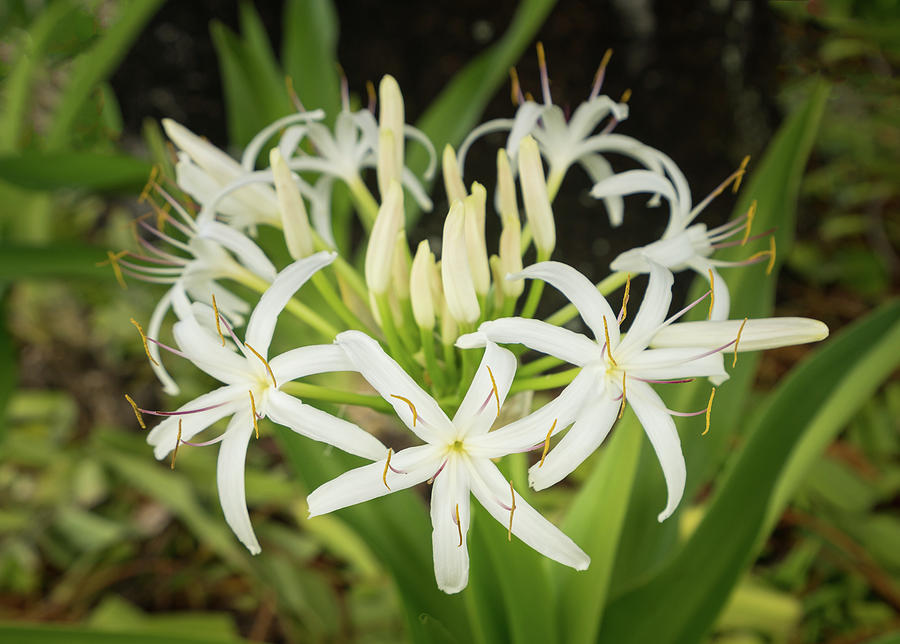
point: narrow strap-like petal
(408, 467)
(217, 404)
(247, 252)
(262, 320)
(450, 525)
(153, 328)
(721, 295)
(486, 394)
(208, 354)
(230, 479)
(651, 314)
(527, 524)
(764, 333)
(523, 124)
(318, 425)
(309, 360)
(673, 363)
(538, 335)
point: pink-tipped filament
(545, 76)
(600, 75)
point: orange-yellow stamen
(137, 412)
(603, 63)
(387, 465)
(113, 260)
(626, 96)
(542, 59)
(265, 362)
(740, 174)
(712, 293)
(737, 341)
(608, 350)
(151, 181)
(625, 297)
(547, 442)
(295, 100)
(177, 443)
(218, 325)
(494, 387)
(253, 410)
(712, 395)
(751, 213)
(771, 263)
(412, 407)
(515, 88)
(458, 527)
(512, 510)
(622, 406)
(370, 92)
(144, 340)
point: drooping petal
(450, 525)
(421, 413)
(318, 425)
(651, 314)
(579, 290)
(408, 467)
(477, 412)
(153, 329)
(764, 333)
(592, 427)
(496, 125)
(660, 428)
(230, 479)
(528, 525)
(538, 335)
(673, 363)
(309, 360)
(634, 181)
(217, 404)
(262, 320)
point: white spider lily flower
(383, 240)
(252, 390)
(685, 244)
(195, 256)
(616, 369)
(456, 276)
(455, 459)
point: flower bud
(390, 119)
(499, 278)
(401, 266)
(476, 246)
(294, 219)
(534, 196)
(420, 286)
(383, 239)
(385, 167)
(453, 183)
(455, 273)
(506, 187)
(510, 260)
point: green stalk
(365, 203)
(431, 365)
(538, 366)
(326, 289)
(395, 344)
(344, 269)
(307, 391)
(535, 289)
(551, 381)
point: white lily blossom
(455, 459)
(252, 390)
(616, 369)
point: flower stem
(344, 269)
(365, 203)
(431, 365)
(395, 344)
(326, 289)
(535, 289)
(538, 366)
(551, 381)
(327, 394)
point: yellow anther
(712, 293)
(177, 443)
(253, 411)
(626, 96)
(162, 213)
(137, 412)
(622, 405)
(712, 395)
(370, 92)
(151, 181)
(113, 259)
(771, 263)
(751, 213)
(219, 326)
(515, 88)
(144, 340)
(512, 510)
(295, 100)
(625, 297)
(458, 527)
(387, 465)
(265, 362)
(740, 174)
(737, 341)
(529, 97)
(412, 407)
(494, 387)
(608, 350)
(547, 442)
(542, 59)
(605, 60)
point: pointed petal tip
(472, 340)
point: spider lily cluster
(428, 334)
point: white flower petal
(408, 467)
(477, 412)
(309, 360)
(230, 479)
(428, 421)
(318, 425)
(592, 427)
(208, 354)
(538, 335)
(579, 290)
(523, 124)
(660, 428)
(449, 503)
(721, 295)
(764, 333)
(669, 364)
(247, 252)
(633, 182)
(217, 404)
(153, 329)
(496, 125)
(528, 525)
(265, 315)
(651, 314)
(588, 115)
(215, 162)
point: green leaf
(56, 260)
(44, 634)
(117, 615)
(309, 53)
(818, 398)
(87, 170)
(8, 362)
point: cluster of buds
(426, 333)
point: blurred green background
(97, 535)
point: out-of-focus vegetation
(97, 535)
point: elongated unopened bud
(401, 266)
(510, 260)
(455, 272)
(382, 241)
(420, 286)
(476, 246)
(497, 274)
(294, 218)
(390, 119)
(534, 196)
(506, 187)
(385, 166)
(453, 183)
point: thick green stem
(365, 203)
(538, 366)
(344, 269)
(327, 394)
(551, 381)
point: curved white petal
(247, 252)
(318, 425)
(408, 467)
(230, 479)
(579, 290)
(265, 315)
(428, 421)
(496, 125)
(153, 329)
(651, 314)
(309, 360)
(553, 340)
(481, 405)
(592, 427)
(632, 182)
(320, 210)
(449, 504)
(675, 363)
(764, 333)
(660, 428)
(213, 160)
(523, 124)
(411, 182)
(721, 296)
(251, 152)
(208, 354)
(217, 404)
(418, 135)
(589, 114)
(528, 525)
